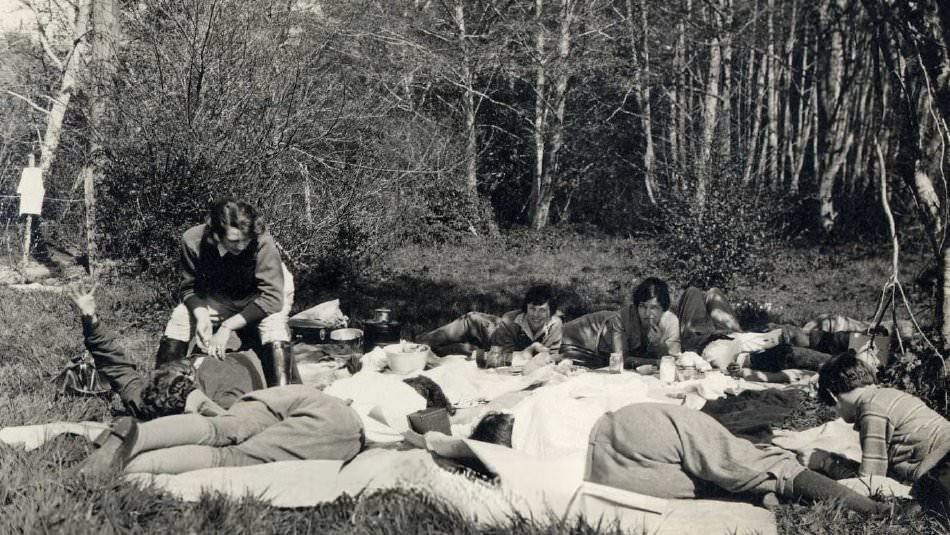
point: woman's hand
(85, 300)
(204, 328)
(219, 342)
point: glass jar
(667, 369)
(493, 358)
(685, 372)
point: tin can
(667, 370)
(616, 363)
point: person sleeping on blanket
(284, 423)
(218, 384)
(535, 327)
(687, 454)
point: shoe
(113, 449)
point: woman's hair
(494, 428)
(572, 305)
(652, 287)
(540, 294)
(231, 212)
(432, 392)
(167, 389)
(843, 373)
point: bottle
(667, 369)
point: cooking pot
(380, 330)
(351, 338)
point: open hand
(219, 342)
(84, 298)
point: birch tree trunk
(103, 17)
(786, 156)
(755, 153)
(468, 104)
(541, 207)
(726, 44)
(539, 188)
(772, 125)
(833, 101)
(641, 87)
(74, 64)
(710, 113)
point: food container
(351, 338)
(667, 370)
(380, 330)
(311, 331)
(406, 358)
(493, 358)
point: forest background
(360, 125)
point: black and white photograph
(591, 267)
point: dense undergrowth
(425, 286)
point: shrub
(919, 371)
(756, 315)
(733, 234)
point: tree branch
(28, 101)
(44, 40)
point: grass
(425, 286)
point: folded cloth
(327, 313)
(835, 436)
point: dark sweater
(252, 281)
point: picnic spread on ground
(662, 416)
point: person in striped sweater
(901, 437)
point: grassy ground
(424, 287)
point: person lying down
(687, 454)
(177, 427)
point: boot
(170, 350)
(282, 370)
(113, 449)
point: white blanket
(556, 421)
(534, 488)
(34, 436)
